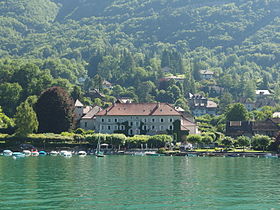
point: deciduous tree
(236, 112)
(55, 111)
(25, 119)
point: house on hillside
(269, 127)
(106, 84)
(206, 74)
(238, 128)
(142, 119)
(200, 105)
(276, 115)
(263, 93)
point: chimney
(158, 104)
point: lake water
(133, 182)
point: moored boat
(62, 152)
(153, 154)
(26, 152)
(67, 154)
(82, 153)
(7, 153)
(138, 154)
(18, 154)
(269, 155)
(54, 153)
(34, 152)
(191, 155)
(99, 153)
(43, 153)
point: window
(161, 120)
(130, 123)
(85, 124)
(171, 127)
(102, 119)
(109, 120)
(116, 127)
(153, 120)
(153, 127)
(161, 128)
(116, 120)
(170, 120)
(130, 132)
(109, 127)
(122, 127)
(102, 127)
(144, 127)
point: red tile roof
(141, 109)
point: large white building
(136, 119)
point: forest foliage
(77, 44)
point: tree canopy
(236, 112)
(55, 111)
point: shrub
(159, 140)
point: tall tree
(95, 60)
(226, 99)
(250, 90)
(10, 94)
(5, 121)
(55, 111)
(25, 119)
(236, 112)
(165, 59)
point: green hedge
(112, 139)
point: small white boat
(67, 154)
(7, 153)
(139, 154)
(34, 153)
(26, 152)
(18, 154)
(269, 155)
(54, 153)
(62, 152)
(82, 153)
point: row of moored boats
(26, 153)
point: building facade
(200, 105)
(80, 110)
(140, 119)
(269, 127)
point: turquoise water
(132, 182)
